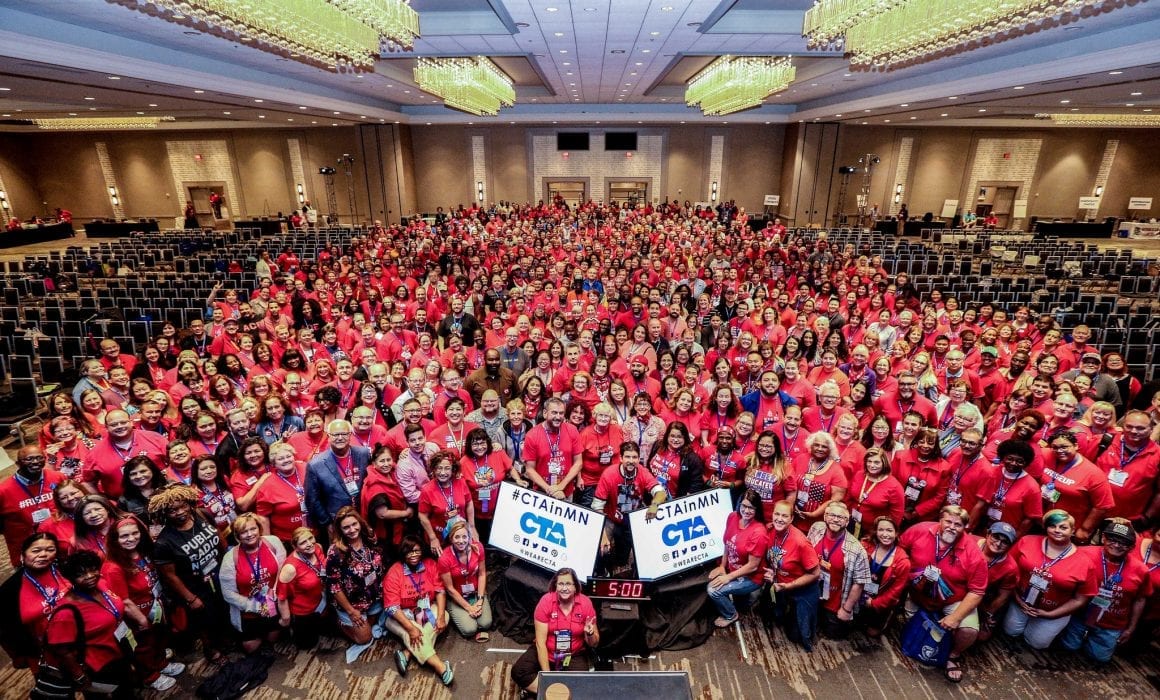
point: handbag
(925, 641)
(53, 683)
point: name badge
(825, 588)
(932, 573)
(1049, 493)
(1117, 477)
(467, 589)
(995, 513)
(563, 641)
(40, 515)
(1039, 582)
(424, 603)
(912, 493)
(954, 498)
(555, 467)
(606, 456)
(870, 589)
(856, 515)
(351, 488)
(1104, 598)
(250, 481)
(124, 634)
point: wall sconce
(897, 198)
(1100, 191)
(479, 190)
(301, 195)
(113, 196)
(898, 188)
(4, 200)
(713, 191)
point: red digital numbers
(620, 589)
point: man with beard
(768, 403)
(893, 405)
(511, 355)
(552, 452)
(948, 580)
(622, 489)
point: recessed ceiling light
(1148, 109)
(953, 97)
(693, 24)
(1063, 102)
(632, 73)
(72, 114)
(865, 123)
(1137, 94)
(982, 110)
(92, 109)
(664, 99)
(904, 105)
(590, 9)
(569, 73)
(301, 108)
(547, 9)
(313, 122)
(289, 119)
(140, 113)
(199, 92)
(646, 50)
(914, 118)
(667, 8)
(628, 84)
(566, 63)
(654, 33)
(405, 92)
(578, 99)
(886, 121)
(90, 99)
(1075, 109)
(337, 112)
(257, 100)
(523, 25)
(563, 50)
(362, 116)
(151, 104)
(847, 75)
(571, 83)
(4, 89)
(114, 77)
(1017, 87)
(837, 115)
(559, 33)
(617, 51)
(865, 110)
(1116, 72)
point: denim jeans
(1096, 642)
(797, 610)
(722, 597)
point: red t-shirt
(725, 467)
(868, 500)
(1015, 500)
(403, 589)
(283, 500)
(23, 507)
(100, 618)
(1132, 476)
(621, 496)
(440, 505)
(1066, 578)
(924, 483)
(965, 479)
(666, 467)
(962, 568)
(768, 487)
(448, 439)
(465, 577)
(1077, 488)
(599, 452)
(830, 550)
(38, 599)
(741, 544)
(1120, 584)
(548, 612)
(241, 481)
(790, 555)
(304, 592)
(106, 462)
(139, 583)
(483, 478)
(814, 488)
(553, 456)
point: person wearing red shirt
(894, 405)
(824, 417)
(565, 623)
(874, 493)
(1124, 585)
(968, 469)
(600, 444)
(792, 569)
(552, 452)
(948, 577)
(301, 599)
(1072, 483)
(445, 497)
(281, 496)
(451, 434)
(724, 465)
(416, 608)
(889, 574)
(26, 498)
(108, 457)
(484, 468)
(924, 476)
(1009, 494)
(818, 480)
(739, 572)
(1132, 463)
(364, 432)
(1055, 580)
(796, 387)
(850, 451)
(790, 435)
(463, 571)
(1002, 575)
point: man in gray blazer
(334, 478)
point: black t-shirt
(194, 553)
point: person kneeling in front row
(565, 632)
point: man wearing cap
(227, 342)
(993, 386)
(1103, 387)
(948, 579)
(638, 380)
(1125, 584)
(1002, 575)
(1132, 463)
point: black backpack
(236, 678)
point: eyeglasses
(339, 435)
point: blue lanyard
(256, 567)
(1046, 566)
(1125, 458)
(50, 599)
(109, 606)
(1114, 578)
(877, 566)
(20, 482)
(826, 555)
(450, 498)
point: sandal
(482, 637)
(722, 622)
(954, 670)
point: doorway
(200, 193)
(627, 193)
(997, 198)
(571, 192)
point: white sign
(545, 531)
(1020, 209)
(1089, 202)
(686, 532)
(950, 208)
(772, 200)
(1140, 203)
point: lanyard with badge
(50, 595)
(40, 514)
(122, 633)
(1048, 490)
(449, 499)
(422, 601)
(484, 476)
(349, 476)
(995, 510)
(555, 458)
(1119, 476)
(871, 587)
(1109, 589)
(466, 570)
(826, 555)
(561, 641)
(298, 489)
(1041, 575)
(938, 588)
(954, 495)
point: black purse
(53, 683)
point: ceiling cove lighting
(1102, 119)
(98, 123)
(335, 34)
(473, 85)
(733, 83)
(886, 34)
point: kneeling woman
(463, 570)
(249, 582)
(416, 607)
(739, 572)
(301, 589)
(792, 572)
(565, 631)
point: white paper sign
(1019, 209)
(1140, 203)
(1089, 202)
(772, 200)
(545, 531)
(950, 208)
(686, 532)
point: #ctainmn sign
(687, 532)
(545, 531)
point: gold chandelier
(473, 85)
(884, 34)
(1109, 120)
(733, 83)
(334, 34)
(99, 123)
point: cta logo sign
(684, 531)
(544, 528)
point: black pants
(118, 673)
(306, 630)
(527, 668)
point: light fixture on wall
(1099, 190)
(479, 190)
(113, 196)
(4, 201)
(733, 83)
(100, 123)
(885, 35)
(335, 34)
(897, 193)
(473, 85)
(301, 194)
(713, 192)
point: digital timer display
(622, 589)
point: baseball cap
(1120, 531)
(989, 350)
(639, 357)
(1091, 357)
(1003, 529)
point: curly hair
(171, 496)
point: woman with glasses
(739, 572)
(484, 468)
(1072, 483)
(416, 609)
(565, 623)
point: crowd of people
(321, 454)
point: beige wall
(19, 180)
(507, 164)
(753, 160)
(688, 163)
(442, 167)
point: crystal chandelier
(99, 123)
(474, 85)
(885, 34)
(1110, 120)
(733, 83)
(334, 34)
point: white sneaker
(163, 683)
(175, 668)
